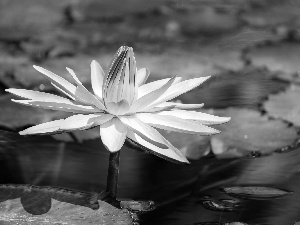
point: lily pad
(61, 213)
(253, 192)
(285, 105)
(249, 132)
(281, 58)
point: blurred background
(250, 47)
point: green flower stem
(113, 175)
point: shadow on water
(184, 194)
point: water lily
(123, 105)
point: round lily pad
(282, 58)
(250, 132)
(285, 105)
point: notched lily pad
(50, 205)
(34, 198)
(256, 192)
(61, 213)
(285, 105)
(282, 58)
(250, 133)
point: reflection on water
(180, 191)
(241, 89)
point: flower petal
(43, 128)
(97, 76)
(119, 108)
(165, 153)
(83, 95)
(63, 92)
(57, 80)
(113, 134)
(176, 124)
(82, 122)
(152, 86)
(149, 98)
(143, 129)
(198, 116)
(142, 75)
(76, 122)
(177, 105)
(178, 89)
(119, 83)
(61, 106)
(37, 95)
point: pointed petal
(198, 116)
(165, 153)
(76, 122)
(120, 82)
(176, 105)
(82, 122)
(142, 75)
(83, 95)
(113, 134)
(132, 76)
(178, 89)
(37, 95)
(57, 80)
(63, 92)
(97, 76)
(157, 109)
(43, 128)
(116, 67)
(176, 124)
(148, 99)
(143, 129)
(152, 86)
(78, 82)
(61, 106)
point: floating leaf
(285, 105)
(282, 58)
(249, 132)
(256, 192)
(33, 197)
(56, 206)
(61, 213)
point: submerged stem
(113, 175)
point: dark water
(183, 194)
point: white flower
(123, 106)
